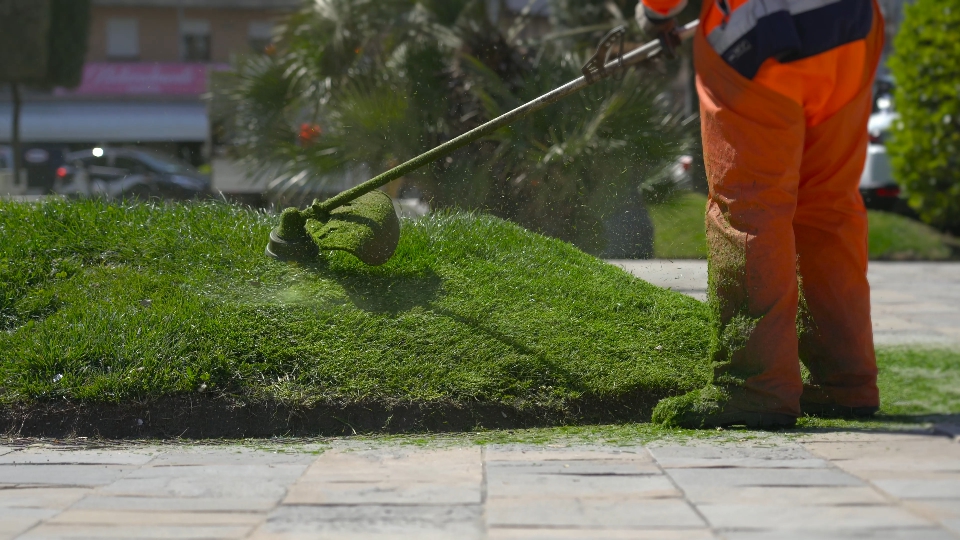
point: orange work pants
(786, 226)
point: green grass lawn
(108, 303)
(679, 233)
(919, 381)
(678, 227)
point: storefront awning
(98, 122)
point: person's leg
(836, 340)
(753, 142)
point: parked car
(877, 185)
(878, 126)
(117, 173)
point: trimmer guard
(366, 227)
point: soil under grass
(148, 320)
(679, 233)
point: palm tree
(384, 80)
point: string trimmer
(362, 220)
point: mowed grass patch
(117, 304)
(894, 237)
(678, 227)
(679, 233)
(919, 381)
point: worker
(785, 94)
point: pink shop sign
(141, 79)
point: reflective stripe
(788, 30)
(744, 19)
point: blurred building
(148, 64)
(181, 31)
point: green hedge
(925, 147)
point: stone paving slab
(598, 534)
(787, 456)
(61, 474)
(692, 479)
(812, 518)
(931, 487)
(14, 521)
(198, 456)
(534, 454)
(38, 456)
(927, 533)
(134, 532)
(943, 511)
(149, 524)
(504, 485)
(372, 521)
(207, 481)
(786, 495)
(450, 476)
(157, 503)
(867, 438)
(560, 509)
(575, 467)
(42, 497)
(108, 518)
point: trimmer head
(367, 228)
(290, 241)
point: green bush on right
(925, 147)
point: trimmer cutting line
(362, 221)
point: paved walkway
(913, 302)
(828, 485)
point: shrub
(384, 81)
(925, 147)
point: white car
(877, 185)
(879, 124)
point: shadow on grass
(378, 290)
(383, 291)
(554, 374)
(392, 292)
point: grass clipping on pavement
(107, 304)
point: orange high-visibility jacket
(750, 34)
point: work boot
(816, 401)
(713, 407)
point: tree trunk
(15, 136)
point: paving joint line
(484, 529)
(279, 502)
(710, 527)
